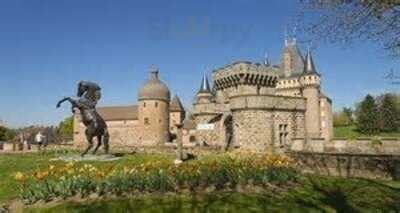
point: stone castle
(252, 106)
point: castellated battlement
(245, 73)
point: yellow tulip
(19, 176)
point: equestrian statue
(89, 94)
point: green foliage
(6, 134)
(389, 114)
(66, 128)
(352, 133)
(376, 141)
(342, 118)
(367, 119)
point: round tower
(310, 81)
(153, 101)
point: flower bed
(227, 171)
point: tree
(367, 119)
(341, 118)
(66, 128)
(349, 113)
(6, 134)
(3, 133)
(389, 115)
(343, 21)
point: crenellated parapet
(310, 80)
(245, 73)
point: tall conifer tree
(367, 121)
(388, 114)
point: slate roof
(205, 85)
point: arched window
(146, 121)
(144, 104)
(156, 104)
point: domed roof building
(154, 88)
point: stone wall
(252, 130)
(122, 134)
(376, 146)
(209, 136)
(386, 167)
(267, 123)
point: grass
(351, 132)
(312, 194)
(316, 194)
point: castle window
(283, 134)
(144, 104)
(146, 121)
(159, 121)
(156, 104)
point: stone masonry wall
(211, 137)
(252, 129)
(122, 134)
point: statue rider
(89, 94)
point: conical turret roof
(309, 66)
(205, 86)
(176, 105)
(297, 61)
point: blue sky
(47, 46)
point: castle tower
(310, 81)
(154, 99)
(204, 95)
(291, 61)
(176, 114)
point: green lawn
(312, 194)
(351, 132)
(316, 194)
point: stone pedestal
(179, 152)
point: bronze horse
(89, 93)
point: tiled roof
(114, 113)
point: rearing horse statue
(89, 94)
